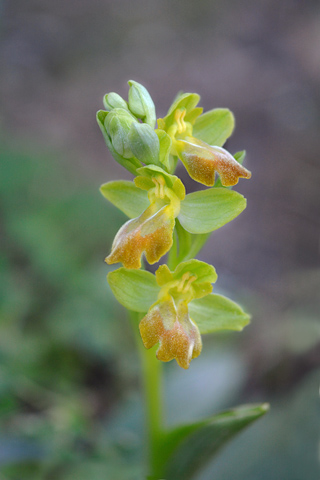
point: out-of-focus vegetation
(62, 336)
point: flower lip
(203, 161)
(170, 325)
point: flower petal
(150, 233)
(202, 161)
(171, 326)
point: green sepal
(131, 164)
(216, 312)
(141, 103)
(172, 181)
(113, 100)
(215, 126)
(184, 451)
(186, 100)
(126, 196)
(136, 290)
(144, 143)
(207, 210)
(165, 147)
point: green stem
(152, 380)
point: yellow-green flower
(168, 321)
(151, 232)
(177, 307)
(187, 129)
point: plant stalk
(152, 383)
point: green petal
(144, 143)
(126, 196)
(216, 312)
(214, 127)
(207, 210)
(136, 290)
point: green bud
(113, 100)
(141, 104)
(144, 143)
(117, 124)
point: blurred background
(70, 396)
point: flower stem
(152, 380)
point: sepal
(131, 200)
(215, 126)
(135, 289)
(208, 210)
(216, 312)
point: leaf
(136, 290)
(131, 200)
(187, 449)
(216, 312)
(131, 164)
(215, 126)
(144, 143)
(207, 210)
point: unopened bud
(141, 104)
(117, 124)
(113, 100)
